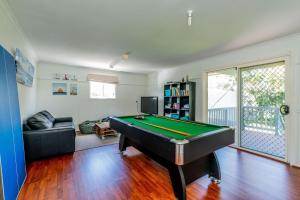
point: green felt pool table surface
(189, 127)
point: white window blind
(103, 78)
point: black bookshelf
(179, 100)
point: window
(100, 90)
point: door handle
(284, 109)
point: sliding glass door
(262, 93)
(249, 99)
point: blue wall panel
(15, 116)
(11, 142)
(8, 161)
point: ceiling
(94, 33)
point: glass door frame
(238, 111)
(205, 101)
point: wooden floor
(102, 173)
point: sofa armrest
(63, 119)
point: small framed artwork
(65, 77)
(73, 89)
(57, 76)
(73, 77)
(59, 89)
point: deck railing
(222, 116)
(264, 118)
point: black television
(149, 105)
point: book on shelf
(172, 115)
(176, 105)
(187, 114)
(184, 118)
(182, 92)
(168, 106)
(186, 91)
(167, 93)
(175, 115)
(175, 91)
(185, 106)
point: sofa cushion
(63, 125)
(39, 121)
(48, 115)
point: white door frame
(286, 59)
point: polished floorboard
(102, 173)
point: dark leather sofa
(46, 136)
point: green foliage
(263, 87)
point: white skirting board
(293, 165)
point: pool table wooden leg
(214, 171)
(178, 181)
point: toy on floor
(103, 130)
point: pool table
(185, 148)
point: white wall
(287, 46)
(130, 88)
(12, 37)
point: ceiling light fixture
(190, 12)
(123, 57)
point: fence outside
(262, 118)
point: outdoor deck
(262, 128)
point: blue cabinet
(11, 138)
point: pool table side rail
(193, 122)
(207, 143)
(143, 129)
(156, 143)
(179, 120)
(207, 134)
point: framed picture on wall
(57, 76)
(73, 89)
(25, 70)
(59, 88)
